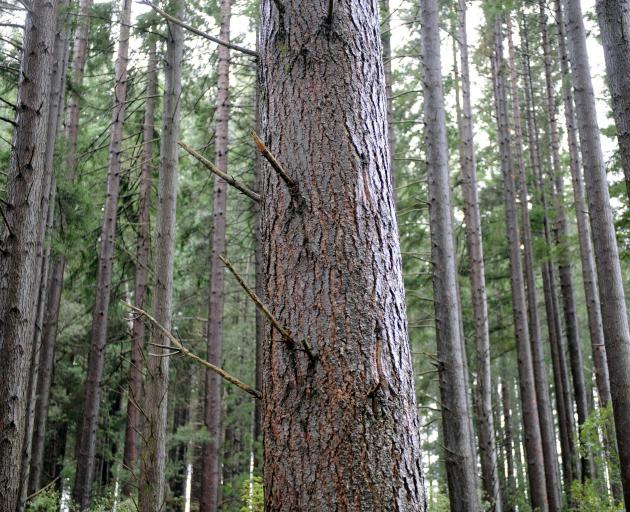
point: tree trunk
(614, 25)
(143, 249)
(341, 428)
(612, 297)
(529, 403)
(21, 239)
(211, 467)
(561, 241)
(386, 41)
(51, 315)
(460, 459)
(540, 370)
(151, 496)
(472, 220)
(508, 446)
(86, 439)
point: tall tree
(476, 269)
(213, 408)
(341, 427)
(152, 472)
(612, 296)
(538, 357)
(143, 249)
(20, 238)
(453, 373)
(529, 403)
(614, 24)
(86, 443)
(386, 41)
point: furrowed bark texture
(612, 297)
(386, 41)
(529, 404)
(51, 314)
(614, 25)
(458, 439)
(341, 431)
(20, 240)
(86, 442)
(213, 406)
(143, 250)
(151, 497)
(474, 242)
(538, 356)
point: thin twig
(329, 15)
(213, 168)
(36, 493)
(220, 371)
(286, 335)
(274, 163)
(194, 30)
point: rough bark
(612, 297)
(211, 467)
(151, 496)
(51, 313)
(472, 220)
(458, 439)
(386, 41)
(561, 241)
(143, 249)
(340, 431)
(20, 239)
(86, 442)
(529, 403)
(540, 370)
(614, 25)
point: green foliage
(45, 501)
(252, 495)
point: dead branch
(228, 179)
(291, 183)
(219, 371)
(198, 32)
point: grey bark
(614, 25)
(472, 219)
(458, 438)
(612, 296)
(508, 447)
(341, 432)
(86, 442)
(143, 250)
(213, 405)
(20, 240)
(529, 403)
(151, 496)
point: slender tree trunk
(612, 297)
(341, 428)
(508, 446)
(211, 468)
(86, 445)
(614, 25)
(20, 240)
(561, 241)
(51, 314)
(57, 90)
(151, 496)
(472, 219)
(529, 403)
(460, 459)
(538, 355)
(143, 249)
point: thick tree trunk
(529, 403)
(143, 249)
(540, 370)
(472, 220)
(386, 41)
(460, 458)
(614, 25)
(20, 240)
(151, 496)
(561, 241)
(213, 406)
(341, 429)
(612, 297)
(86, 442)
